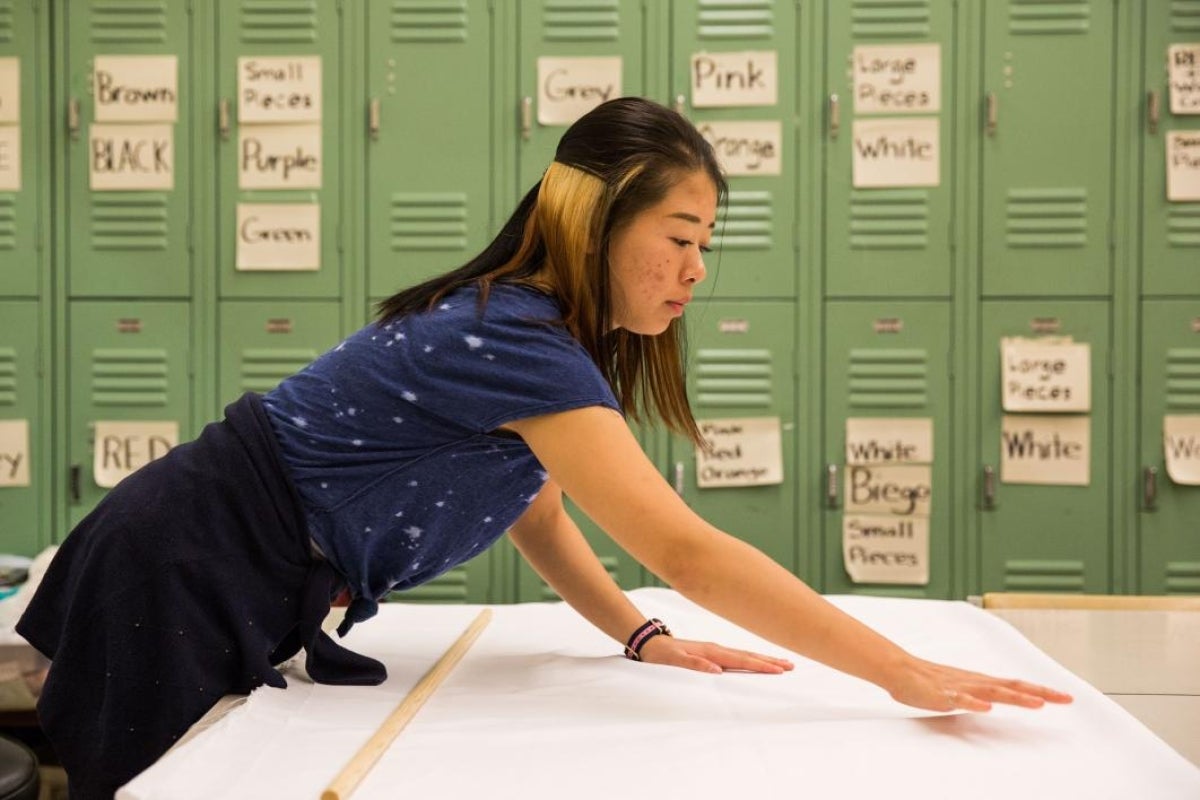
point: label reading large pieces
(279, 156)
(889, 440)
(1045, 375)
(131, 157)
(1183, 71)
(886, 549)
(1181, 447)
(740, 452)
(10, 91)
(568, 88)
(14, 452)
(1046, 449)
(903, 491)
(735, 79)
(278, 236)
(10, 158)
(121, 448)
(136, 88)
(1183, 166)
(746, 148)
(279, 89)
(896, 152)
(897, 79)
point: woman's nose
(694, 271)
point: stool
(18, 771)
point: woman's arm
(592, 455)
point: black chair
(19, 778)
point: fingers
(745, 660)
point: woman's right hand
(938, 687)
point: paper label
(568, 88)
(897, 79)
(121, 448)
(10, 158)
(1040, 376)
(748, 78)
(1183, 166)
(1181, 447)
(279, 89)
(746, 148)
(14, 452)
(896, 152)
(278, 236)
(741, 452)
(279, 156)
(1183, 71)
(886, 549)
(10, 90)
(883, 440)
(1048, 449)
(132, 157)
(136, 88)
(895, 490)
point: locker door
(429, 163)
(1170, 230)
(553, 28)
(133, 242)
(1169, 535)
(1047, 157)
(129, 361)
(466, 583)
(21, 398)
(742, 366)
(22, 154)
(286, 152)
(755, 237)
(1046, 538)
(891, 240)
(264, 342)
(888, 359)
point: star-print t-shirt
(391, 436)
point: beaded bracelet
(648, 630)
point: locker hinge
(1112, 235)
(340, 6)
(189, 237)
(339, 238)
(189, 6)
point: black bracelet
(648, 630)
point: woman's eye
(705, 249)
(682, 242)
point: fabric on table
(544, 706)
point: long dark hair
(619, 159)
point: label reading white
(10, 158)
(1041, 376)
(882, 440)
(886, 549)
(896, 152)
(279, 156)
(1181, 446)
(897, 79)
(136, 88)
(748, 78)
(1183, 77)
(1183, 166)
(10, 90)
(568, 88)
(895, 490)
(121, 448)
(131, 157)
(14, 452)
(1048, 449)
(278, 236)
(741, 452)
(279, 89)
(746, 148)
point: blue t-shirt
(391, 436)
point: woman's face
(656, 259)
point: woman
(478, 399)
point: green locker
(129, 361)
(888, 360)
(430, 163)
(22, 468)
(279, 219)
(1045, 538)
(888, 240)
(261, 343)
(755, 239)
(1047, 147)
(1170, 230)
(741, 366)
(466, 583)
(1167, 523)
(23, 179)
(127, 242)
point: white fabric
(543, 706)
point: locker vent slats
(889, 219)
(429, 21)
(8, 376)
(128, 21)
(740, 378)
(746, 224)
(1183, 379)
(1183, 577)
(1046, 217)
(129, 222)
(1050, 575)
(736, 19)
(1040, 17)
(1185, 16)
(610, 566)
(264, 368)
(6, 21)
(889, 378)
(1183, 222)
(8, 221)
(581, 21)
(279, 22)
(129, 377)
(449, 587)
(428, 221)
(887, 19)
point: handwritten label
(10, 158)
(279, 156)
(121, 448)
(735, 79)
(740, 452)
(746, 148)
(10, 90)
(882, 440)
(278, 236)
(1046, 449)
(1183, 77)
(886, 549)
(568, 88)
(132, 157)
(1181, 446)
(1040, 375)
(136, 88)
(1183, 166)
(14, 452)
(896, 152)
(901, 490)
(897, 79)
(279, 89)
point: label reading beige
(746, 148)
(14, 452)
(1046, 449)
(279, 89)
(10, 158)
(897, 79)
(131, 157)
(10, 91)
(1181, 446)
(1183, 77)
(1045, 376)
(568, 88)
(740, 452)
(121, 448)
(884, 440)
(1183, 166)
(896, 152)
(136, 88)
(886, 549)
(749, 78)
(279, 156)
(896, 490)
(278, 236)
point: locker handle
(1152, 110)
(1150, 488)
(73, 118)
(76, 481)
(831, 486)
(679, 478)
(835, 116)
(993, 113)
(373, 116)
(989, 488)
(223, 118)
(680, 104)
(526, 117)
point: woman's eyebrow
(691, 218)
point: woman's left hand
(937, 687)
(708, 656)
